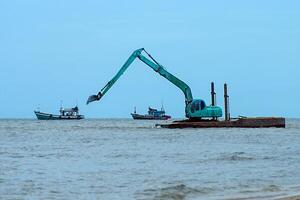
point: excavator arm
(155, 66)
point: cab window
(202, 105)
(197, 106)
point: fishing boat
(65, 114)
(153, 114)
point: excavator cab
(197, 105)
(197, 109)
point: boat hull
(149, 117)
(47, 116)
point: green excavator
(194, 108)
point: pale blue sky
(66, 50)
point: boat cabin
(69, 111)
(155, 112)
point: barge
(228, 122)
(253, 122)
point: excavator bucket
(92, 98)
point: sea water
(127, 159)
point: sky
(53, 51)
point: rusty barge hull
(257, 122)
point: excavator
(195, 109)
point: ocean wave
(236, 156)
(271, 188)
(176, 192)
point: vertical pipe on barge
(213, 94)
(226, 103)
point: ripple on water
(175, 191)
(236, 156)
(271, 188)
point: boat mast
(61, 107)
(162, 106)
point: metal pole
(213, 94)
(226, 105)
